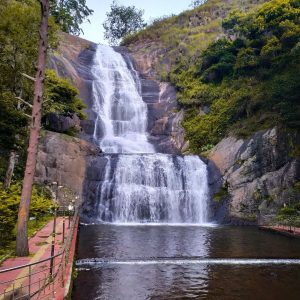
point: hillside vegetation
(235, 65)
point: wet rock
(61, 123)
(164, 116)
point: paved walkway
(39, 248)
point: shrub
(61, 96)
(9, 204)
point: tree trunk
(22, 235)
(10, 169)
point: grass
(33, 227)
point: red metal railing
(39, 280)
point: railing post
(53, 242)
(63, 235)
(29, 282)
(62, 270)
(69, 217)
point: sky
(153, 8)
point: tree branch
(25, 102)
(28, 77)
(28, 116)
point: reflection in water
(172, 280)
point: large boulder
(64, 159)
(61, 123)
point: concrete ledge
(280, 231)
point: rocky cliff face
(164, 114)
(259, 174)
(64, 159)
(74, 60)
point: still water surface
(185, 262)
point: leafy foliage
(70, 14)
(19, 21)
(61, 96)
(289, 215)
(12, 122)
(122, 21)
(222, 194)
(9, 203)
(218, 61)
(251, 78)
(235, 74)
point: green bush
(61, 96)
(9, 204)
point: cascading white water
(121, 112)
(154, 188)
(143, 186)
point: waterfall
(141, 186)
(121, 113)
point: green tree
(122, 21)
(22, 248)
(13, 122)
(196, 3)
(218, 61)
(70, 14)
(19, 21)
(18, 41)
